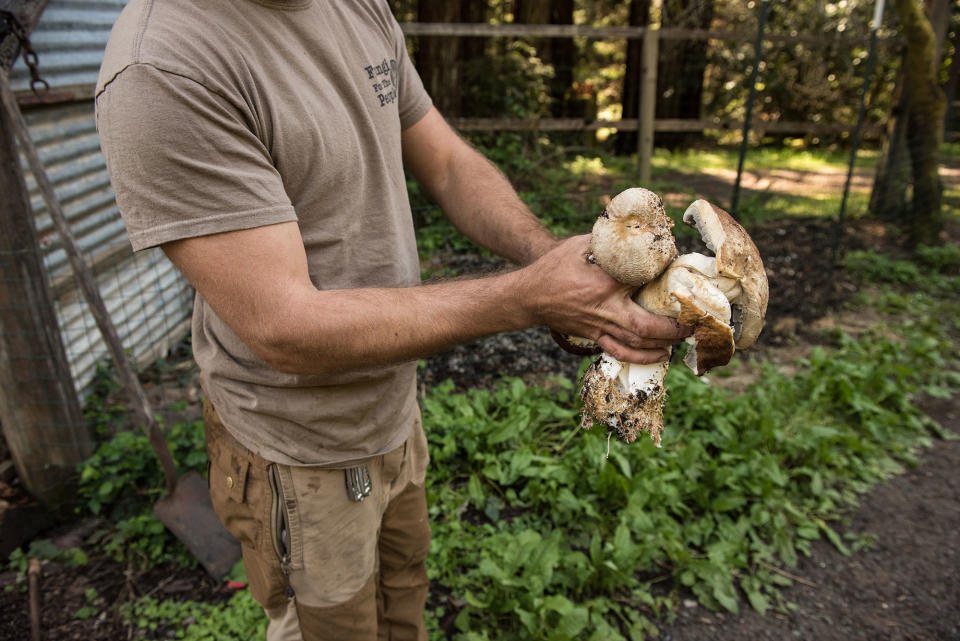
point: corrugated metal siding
(69, 41)
(67, 142)
(149, 301)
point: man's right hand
(565, 292)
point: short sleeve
(414, 101)
(183, 160)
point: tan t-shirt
(219, 115)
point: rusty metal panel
(69, 40)
(66, 139)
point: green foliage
(545, 538)
(123, 474)
(91, 609)
(122, 481)
(238, 619)
(513, 83)
(142, 540)
(45, 550)
(944, 258)
(925, 292)
(538, 534)
(99, 409)
(566, 187)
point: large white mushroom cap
(631, 239)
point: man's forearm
(317, 331)
(257, 281)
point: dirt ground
(906, 586)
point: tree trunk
(474, 12)
(681, 66)
(639, 17)
(922, 108)
(938, 13)
(888, 198)
(473, 52)
(563, 58)
(557, 52)
(438, 57)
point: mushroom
(722, 297)
(631, 241)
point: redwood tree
(915, 134)
(437, 56)
(681, 66)
(639, 17)
(560, 53)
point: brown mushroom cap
(737, 258)
(631, 239)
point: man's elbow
(286, 350)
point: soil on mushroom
(905, 587)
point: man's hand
(573, 296)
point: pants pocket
(229, 480)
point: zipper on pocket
(279, 526)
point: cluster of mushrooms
(722, 297)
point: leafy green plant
(122, 480)
(544, 537)
(100, 408)
(143, 541)
(123, 474)
(539, 534)
(90, 609)
(942, 258)
(238, 618)
(45, 550)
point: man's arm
(476, 197)
(257, 281)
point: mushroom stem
(627, 397)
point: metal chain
(29, 55)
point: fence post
(648, 101)
(39, 410)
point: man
(261, 144)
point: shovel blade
(188, 513)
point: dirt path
(906, 587)
(716, 183)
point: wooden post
(648, 102)
(39, 410)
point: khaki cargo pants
(323, 566)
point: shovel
(186, 510)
